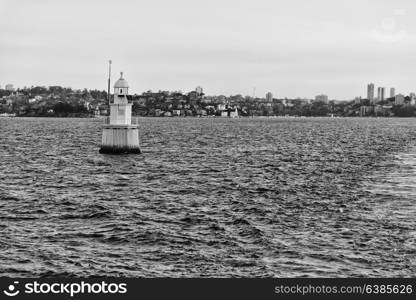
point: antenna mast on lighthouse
(108, 90)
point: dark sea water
(210, 197)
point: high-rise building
(370, 92)
(412, 99)
(381, 92)
(199, 90)
(392, 92)
(269, 97)
(321, 98)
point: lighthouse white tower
(120, 135)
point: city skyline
(370, 93)
(291, 49)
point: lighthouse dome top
(121, 83)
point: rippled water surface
(209, 197)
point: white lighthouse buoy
(119, 134)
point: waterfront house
(158, 112)
(234, 113)
(221, 107)
(399, 99)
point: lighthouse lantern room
(119, 134)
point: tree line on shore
(59, 101)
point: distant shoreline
(215, 117)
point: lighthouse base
(120, 139)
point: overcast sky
(293, 48)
